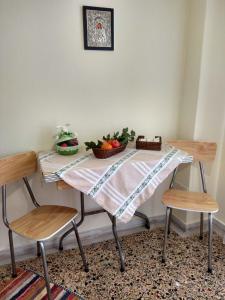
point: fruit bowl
(102, 153)
(70, 150)
(111, 144)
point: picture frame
(98, 23)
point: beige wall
(211, 105)
(46, 79)
(202, 115)
(188, 104)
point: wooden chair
(192, 201)
(41, 223)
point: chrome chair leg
(47, 282)
(38, 250)
(201, 225)
(170, 219)
(13, 262)
(80, 247)
(210, 243)
(168, 211)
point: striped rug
(29, 286)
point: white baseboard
(88, 237)
(218, 226)
(105, 233)
(186, 227)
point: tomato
(115, 143)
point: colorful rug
(29, 286)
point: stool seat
(189, 201)
(43, 222)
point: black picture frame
(98, 25)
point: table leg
(114, 229)
(144, 217)
(82, 212)
(121, 255)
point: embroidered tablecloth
(119, 184)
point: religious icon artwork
(98, 28)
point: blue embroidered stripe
(145, 182)
(72, 164)
(110, 172)
(46, 155)
(51, 177)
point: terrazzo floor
(184, 276)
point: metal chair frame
(40, 244)
(168, 220)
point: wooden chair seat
(190, 201)
(43, 222)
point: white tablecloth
(119, 184)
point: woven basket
(148, 145)
(101, 153)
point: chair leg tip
(210, 270)
(14, 275)
(86, 269)
(163, 260)
(201, 237)
(147, 226)
(122, 269)
(60, 248)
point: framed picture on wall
(98, 28)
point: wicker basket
(148, 145)
(101, 153)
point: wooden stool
(43, 222)
(192, 201)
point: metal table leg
(114, 229)
(82, 212)
(144, 217)
(122, 259)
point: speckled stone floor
(184, 276)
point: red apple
(115, 143)
(63, 145)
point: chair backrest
(201, 151)
(15, 167)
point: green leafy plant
(63, 132)
(91, 145)
(123, 138)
